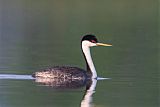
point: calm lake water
(38, 34)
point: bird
(74, 73)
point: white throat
(86, 50)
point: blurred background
(35, 34)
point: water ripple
(16, 76)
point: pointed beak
(102, 44)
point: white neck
(86, 50)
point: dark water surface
(38, 34)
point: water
(35, 35)
(14, 76)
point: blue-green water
(38, 34)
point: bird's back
(62, 72)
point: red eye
(93, 41)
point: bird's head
(91, 40)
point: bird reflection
(61, 83)
(90, 90)
(72, 84)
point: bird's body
(63, 72)
(66, 72)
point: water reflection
(72, 84)
(90, 89)
(61, 83)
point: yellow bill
(102, 44)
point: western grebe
(66, 72)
